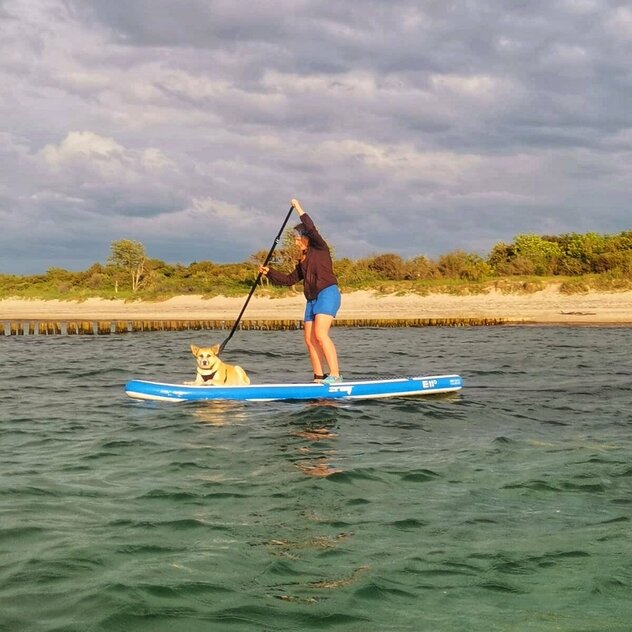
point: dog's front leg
(199, 380)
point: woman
(320, 287)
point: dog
(213, 372)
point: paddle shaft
(277, 239)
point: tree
(285, 255)
(129, 256)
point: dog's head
(205, 356)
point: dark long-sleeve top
(315, 270)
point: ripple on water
(506, 506)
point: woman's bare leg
(320, 333)
(316, 356)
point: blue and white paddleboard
(352, 389)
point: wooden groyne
(108, 327)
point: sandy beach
(545, 306)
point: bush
(619, 263)
(574, 286)
(355, 273)
(463, 265)
(420, 268)
(519, 266)
(388, 266)
(543, 253)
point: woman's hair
(299, 229)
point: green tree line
(579, 261)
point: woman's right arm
(279, 278)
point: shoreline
(546, 306)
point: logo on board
(341, 389)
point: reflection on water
(319, 467)
(315, 434)
(219, 413)
(318, 464)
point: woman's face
(301, 241)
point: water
(505, 507)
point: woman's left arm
(311, 231)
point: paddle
(277, 239)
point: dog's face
(205, 356)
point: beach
(547, 306)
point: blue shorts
(327, 302)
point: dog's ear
(215, 349)
(194, 350)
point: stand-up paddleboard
(352, 389)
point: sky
(407, 127)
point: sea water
(504, 507)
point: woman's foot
(332, 379)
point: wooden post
(16, 329)
(104, 328)
(86, 328)
(121, 327)
(53, 329)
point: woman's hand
(296, 205)
(263, 270)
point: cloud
(410, 127)
(103, 159)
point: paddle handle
(275, 243)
